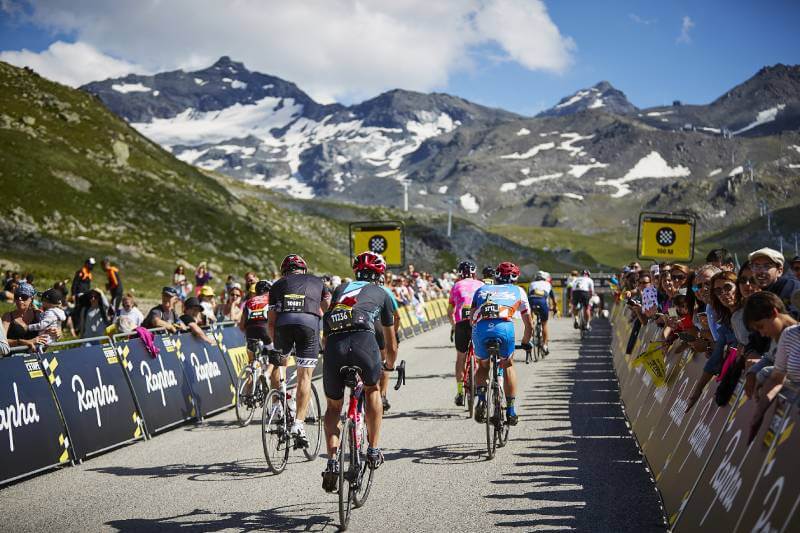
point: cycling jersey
(540, 289)
(493, 307)
(584, 283)
(356, 306)
(379, 325)
(461, 297)
(297, 299)
(255, 310)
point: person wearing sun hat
(767, 267)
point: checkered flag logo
(666, 236)
(378, 244)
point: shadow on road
(440, 455)
(224, 471)
(432, 414)
(301, 517)
(591, 479)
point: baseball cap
(169, 291)
(192, 302)
(91, 261)
(52, 296)
(795, 259)
(206, 290)
(773, 255)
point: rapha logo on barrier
(159, 381)
(16, 415)
(727, 479)
(94, 398)
(205, 371)
(678, 409)
(701, 433)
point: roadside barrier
(88, 396)
(714, 466)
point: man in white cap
(767, 267)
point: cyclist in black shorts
(458, 311)
(297, 302)
(387, 361)
(350, 341)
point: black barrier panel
(32, 437)
(159, 383)
(206, 371)
(95, 398)
(774, 502)
(692, 451)
(722, 490)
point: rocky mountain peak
(602, 95)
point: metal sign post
(666, 236)
(383, 237)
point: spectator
(767, 265)
(702, 291)
(114, 283)
(232, 308)
(180, 284)
(163, 315)
(24, 310)
(129, 317)
(746, 286)
(794, 264)
(5, 349)
(207, 300)
(201, 277)
(722, 259)
(250, 280)
(192, 310)
(94, 315)
(82, 281)
(51, 320)
(10, 286)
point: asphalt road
(570, 465)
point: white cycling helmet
(541, 275)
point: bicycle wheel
(313, 423)
(469, 388)
(274, 433)
(346, 454)
(245, 403)
(491, 401)
(501, 426)
(365, 473)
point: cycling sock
(481, 393)
(510, 402)
(460, 388)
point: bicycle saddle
(350, 374)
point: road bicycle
(253, 379)
(278, 416)
(581, 320)
(468, 379)
(538, 339)
(355, 475)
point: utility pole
(795, 245)
(449, 220)
(405, 195)
(781, 242)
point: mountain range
(589, 163)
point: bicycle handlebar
(528, 348)
(401, 374)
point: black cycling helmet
(467, 269)
(488, 272)
(263, 287)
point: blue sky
(520, 55)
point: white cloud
(70, 63)
(686, 26)
(334, 49)
(640, 20)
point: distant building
(677, 103)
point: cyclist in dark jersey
(350, 341)
(254, 318)
(387, 361)
(297, 302)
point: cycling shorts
(303, 339)
(580, 297)
(463, 334)
(253, 334)
(541, 303)
(354, 348)
(492, 329)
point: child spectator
(129, 317)
(51, 319)
(765, 313)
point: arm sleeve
(5, 349)
(782, 353)
(44, 323)
(387, 310)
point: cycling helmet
(263, 287)
(369, 266)
(467, 269)
(293, 262)
(488, 272)
(506, 272)
(586, 273)
(541, 275)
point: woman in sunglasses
(24, 312)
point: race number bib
(490, 310)
(465, 312)
(294, 303)
(344, 318)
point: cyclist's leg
(335, 349)
(482, 332)
(505, 332)
(463, 332)
(306, 345)
(364, 353)
(586, 310)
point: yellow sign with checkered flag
(386, 238)
(666, 236)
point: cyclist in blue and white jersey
(493, 308)
(540, 294)
(582, 290)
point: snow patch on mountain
(443, 189)
(763, 117)
(579, 170)
(523, 131)
(650, 166)
(530, 153)
(289, 184)
(736, 171)
(714, 172)
(200, 82)
(536, 179)
(572, 139)
(126, 88)
(572, 195)
(469, 203)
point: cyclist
(297, 302)
(254, 319)
(582, 290)
(540, 293)
(350, 341)
(388, 362)
(458, 312)
(488, 275)
(493, 307)
(568, 285)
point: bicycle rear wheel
(274, 434)
(313, 423)
(501, 426)
(365, 473)
(245, 403)
(491, 401)
(469, 386)
(346, 455)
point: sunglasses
(697, 288)
(747, 280)
(728, 287)
(22, 297)
(677, 277)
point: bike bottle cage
(351, 375)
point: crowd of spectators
(742, 319)
(81, 309)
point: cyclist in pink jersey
(459, 313)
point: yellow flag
(653, 360)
